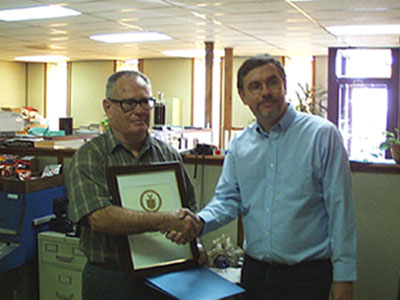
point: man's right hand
(187, 227)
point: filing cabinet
(60, 266)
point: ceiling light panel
(42, 58)
(37, 13)
(389, 29)
(131, 37)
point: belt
(272, 264)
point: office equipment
(60, 266)
(10, 123)
(24, 213)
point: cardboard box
(23, 187)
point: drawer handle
(66, 297)
(64, 258)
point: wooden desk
(64, 147)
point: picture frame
(151, 188)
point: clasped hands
(185, 226)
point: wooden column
(209, 80)
(141, 65)
(228, 88)
(192, 94)
(45, 92)
(69, 88)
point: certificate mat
(151, 188)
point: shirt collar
(114, 143)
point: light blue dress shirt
(293, 187)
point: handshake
(183, 226)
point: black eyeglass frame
(149, 101)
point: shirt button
(272, 165)
(266, 233)
(267, 210)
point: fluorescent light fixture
(42, 58)
(37, 12)
(191, 53)
(131, 37)
(365, 29)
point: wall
(35, 86)
(241, 114)
(321, 72)
(377, 205)
(12, 84)
(88, 81)
(173, 78)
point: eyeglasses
(273, 84)
(128, 105)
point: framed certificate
(151, 188)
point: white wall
(88, 81)
(377, 205)
(241, 114)
(12, 84)
(35, 86)
(321, 72)
(173, 78)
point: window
(298, 71)
(126, 65)
(56, 93)
(199, 93)
(363, 98)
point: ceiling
(279, 27)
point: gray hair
(114, 77)
(254, 62)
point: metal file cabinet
(60, 266)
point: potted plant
(393, 143)
(311, 100)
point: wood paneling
(209, 84)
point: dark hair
(254, 62)
(114, 77)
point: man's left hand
(341, 290)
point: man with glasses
(128, 107)
(288, 175)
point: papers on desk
(195, 284)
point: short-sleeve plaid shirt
(88, 188)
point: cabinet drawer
(64, 253)
(59, 284)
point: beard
(271, 108)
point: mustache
(268, 99)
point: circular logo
(150, 201)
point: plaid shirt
(88, 188)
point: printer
(22, 217)
(10, 123)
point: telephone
(204, 149)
